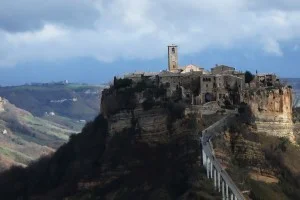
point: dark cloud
(140, 29)
(27, 15)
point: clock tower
(172, 58)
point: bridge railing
(222, 181)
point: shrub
(248, 77)
(176, 110)
(159, 92)
(140, 86)
(122, 83)
(148, 104)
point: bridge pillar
(219, 181)
(207, 167)
(223, 190)
(231, 196)
(211, 169)
(227, 192)
(203, 157)
(215, 179)
(235, 198)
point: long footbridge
(221, 179)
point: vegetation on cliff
(248, 77)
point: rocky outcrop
(1, 104)
(271, 109)
(151, 125)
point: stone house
(265, 80)
(222, 69)
(191, 68)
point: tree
(248, 77)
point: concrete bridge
(222, 181)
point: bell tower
(172, 58)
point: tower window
(173, 50)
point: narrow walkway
(222, 181)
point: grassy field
(14, 155)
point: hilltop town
(163, 135)
(222, 84)
(208, 91)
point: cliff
(272, 110)
(264, 166)
(1, 104)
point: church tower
(172, 58)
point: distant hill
(24, 137)
(37, 119)
(74, 101)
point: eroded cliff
(272, 110)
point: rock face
(272, 110)
(1, 104)
(151, 124)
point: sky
(92, 40)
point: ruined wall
(272, 110)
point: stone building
(222, 84)
(172, 58)
(222, 69)
(265, 80)
(221, 87)
(191, 68)
(139, 76)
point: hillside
(24, 137)
(73, 101)
(145, 144)
(132, 151)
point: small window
(207, 85)
(173, 50)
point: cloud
(141, 29)
(272, 46)
(28, 15)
